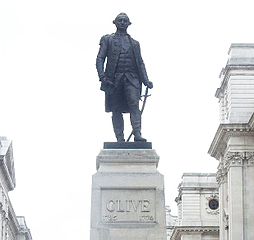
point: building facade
(233, 144)
(198, 208)
(220, 206)
(12, 227)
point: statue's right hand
(106, 81)
(106, 85)
(149, 84)
(103, 79)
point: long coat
(110, 48)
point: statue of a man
(123, 77)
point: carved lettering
(128, 206)
(145, 207)
(110, 206)
(120, 207)
(146, 218)
(135, 205)
(110, 218)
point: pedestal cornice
(127, 156)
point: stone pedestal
(127, 196)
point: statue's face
(122, 22)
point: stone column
(128, 196)
(241, 181)
(235, 144)
(223, 201)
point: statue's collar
(120, 34)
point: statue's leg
(132, 96)
(118, 125)
(117, 116)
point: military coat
(110, 49)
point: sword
(142, 109)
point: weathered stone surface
(195, 192)
(237, 85)
(233, 145)
(128, 196)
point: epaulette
(104, 38)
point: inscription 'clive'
(128, 206)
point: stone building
(12, 227)
(220, 206)
(233, 144)
(198, 208)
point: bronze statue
(123, 77)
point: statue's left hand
(149, 84)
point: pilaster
(233, 146)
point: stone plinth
(128, 196)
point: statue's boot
(138, 137)
(118, 125)
(135, 117)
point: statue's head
(122, 21)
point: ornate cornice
(233, 159)
(181, 230)
(232, 70)
(225, 131)
(221, 173)
(238, 159)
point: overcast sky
(53, 110)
